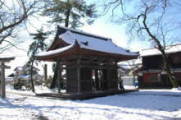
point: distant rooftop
(155, 51)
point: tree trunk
(161, 49)
(67, 18)
(166, 65)
(67, 14)
(167, 68)
(31, 77)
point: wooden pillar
(78, 76)
(97, 81)
(117, 80)
(112, 77)
(104, 79)
(116, 76)
(86, 79)
(108, 75)
(72, 81)
(58, 75)
(45, 72)
(3, 85)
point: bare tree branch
(14, 14)
(148, 21)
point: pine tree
(36, 46)
(71, 13)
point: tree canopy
(71, 13)
(38, 44)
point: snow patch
(163, 104)
(177, 89)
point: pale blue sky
(102, 26)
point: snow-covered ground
(141, 105)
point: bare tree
(148, 19)
(12, 14)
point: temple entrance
(81, 77)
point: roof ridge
(169, 46)
(84, 33)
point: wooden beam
(90, 66)
(99, 59)
(68, 58)
(6, 59)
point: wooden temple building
(152, 74)
(87, 63)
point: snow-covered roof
(6, 58)
(85, 41)
(94, 43)
(56, 51)
(154, 51)
(64, 29)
